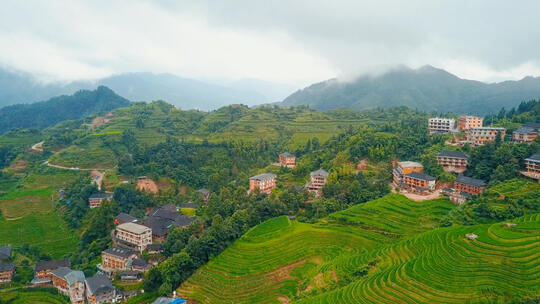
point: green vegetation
(47, 113)
(387, 250)
(38, 296)
(93, 158)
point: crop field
(390, 250)
(84, 158)
(517, 186)
(32, 296)
(283, 260)
(48, 231)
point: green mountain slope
(390, 250)
(426, 88)
(47, 113)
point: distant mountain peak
(427, 88)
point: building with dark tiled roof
(532, 167)
(287, 159)
(162, 219)
(140, 265)
(453, 161)
(317, 180)
(117, 258)
(527, 133)
(7, 271)
(125, 218)
(265, 182)
(418, 181)
(99, 289)
(154, 249)
(5, 253)
(43, 270)
(96, 199)
(70, 283)
(469, 185)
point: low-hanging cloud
(286, 41)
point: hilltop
(426, 88)
(48, 113)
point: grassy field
(286, 260)
(84, 158)
(32, 296)
(389, 250)
(48, 231)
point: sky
(294, 42)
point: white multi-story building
(441, 125)
(133, 236)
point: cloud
(288, 41)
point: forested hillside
(339, 247)
(48, 113)
(426, 88)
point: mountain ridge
(427, 88)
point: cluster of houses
(69, 282)
(409, 177)
(124, 260)
(266, 182)
(476, 134)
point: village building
(43, 271)
(469, 185)
(7, 271)
(123, 218)
(453, 161)
(133, 236)
(140, 265)
(99, 289)
(482, 135)
(532, 167)
(456, 197)
(205, 194)
(265, 182)
(160, 221)
(5, 253)
(154, 249)
(527, 133)
(287, 159)
(403, 168)
(117, 258)
(96, 199)
(441, 125)
(466, 122)
(130, 276)
(70, 283)
(471, 236)
(418, 182)
(317, 180)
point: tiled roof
(51, 265)
(534, 157)
(421, 176)
(204, 191)
(120, 252)
(5, 252)
(126, 218)
(453, 154)
(470, 181)
(99, 284)
(319, 172)
(101, 195)
(154, 247)
(264, 176)
(286, 154)
(7, 267)
(526, 130)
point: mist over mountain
(426, 88)
(19, 87)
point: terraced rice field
(443, 266)
(37, 297)
(283, 260)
